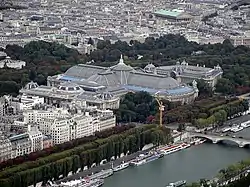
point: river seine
(192, 164)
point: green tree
(224, 86)
(204, 88)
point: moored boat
(174, 148)
(185, 145)
(80, 183)
(146, 159)
(177, 184)
(102, 174)
(121, 167)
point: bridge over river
(216, 138)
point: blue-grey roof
(124, 76)
(84, 71)
(18, 137)
(176, 91)
(69, 78)
(152, 81)
(181, 90)
(106, 79)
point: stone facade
(115, 81)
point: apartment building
(30, 101)
(27, 142)
(63, 126)
(21, 145)
(68, 128)
(5, 148)
(36, 116)
(36, 138)
(106, 119)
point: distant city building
(5, 148)
(48, 30)
(177, 16)
(15, 64)
(3, 55)
(204, 39)
(241, 40)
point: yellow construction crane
(161, 108)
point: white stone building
(26, 143)
(30, 101)
(69, 91)
(64, 126)
(117, 80)
(68, 128)
(36, 116)
(21, 144)
(36, 138)
(105, 120)
(15, 64)
(185, 73)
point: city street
(237, 120)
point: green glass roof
(167, 13)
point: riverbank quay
(105, 166)
(237, 176)
(226, 182)
(242, 182)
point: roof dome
(150, 68)
(121, 66)
(31, 85)
(69, 87)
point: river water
(192, 164)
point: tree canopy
(86, 153)
(45, 59)
(141, 107)
(42, 59)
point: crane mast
(160, 108)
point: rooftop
(19, 137)
(175, 91)
(167, 13)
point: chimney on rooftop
(29, 128)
